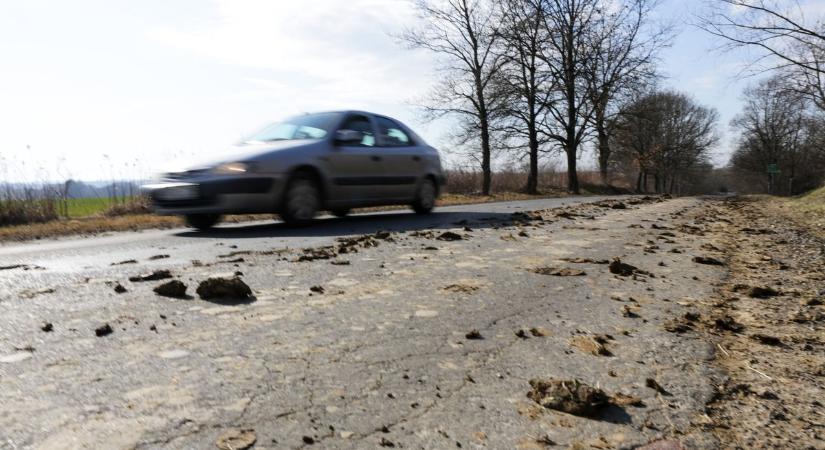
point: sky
(102, 89)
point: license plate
(178, 193)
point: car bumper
(236, 195)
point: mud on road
(581, 327)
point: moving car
(331, 161)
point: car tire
(202, 221)
(302, 200)
(340, 212)
(425, 197)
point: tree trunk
(572, 175)
(533, 176)
(603, 142)
(604, 155)
(639, 183)
(486, 172)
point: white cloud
(326, 50)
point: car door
(355, 168)
(403, 161)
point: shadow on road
(357, 224)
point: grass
(85, 207)
(807, 209)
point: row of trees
(781, 147)
(538, 76)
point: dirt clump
(236, 439)
(617, 267)
(154, 276)
(474, 335)
(728, 323)
(767, 339)
(119, 288)
(171, 289)
(460, 288)
(569, 396)
(104, 330)
(762, 292)
(317, 289)
(595, 345)
(707, 260)
(559, 271)
(449, 236)
(123, 263)
(157, 257)
(585, 261)
(218, 288)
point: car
(333, 161)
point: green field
(84, 207)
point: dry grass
(807, 209)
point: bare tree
(664, 135)
(778, 30)
(627, 45)
(779, 128)
(568, 54)
(464, 33)
(524, 82)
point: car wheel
(202, 221)
(301, 201)
(425, 198)
(340, 212)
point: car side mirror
(348, 137)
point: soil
(768, 329)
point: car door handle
(375, 158)
(416, 158)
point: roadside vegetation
(41, 215)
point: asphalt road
(380, 357)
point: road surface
(408, 339)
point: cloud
(327, 50)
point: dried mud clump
(154, 276)
(216, 288)
(449, 236)
(172, 289)
(460, 288)
(104, 330)
(595, 345)
(236, 439)
(762, 292)
(707, 260)
(617, 267)
(559, 271)
(569, 396)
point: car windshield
(308, 126)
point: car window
(391, 134)
(308, 126)
(362, 124)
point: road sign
(773, 168)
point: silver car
(331, 161)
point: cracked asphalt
(382, 356)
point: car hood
(241, 152)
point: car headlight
(232, 168)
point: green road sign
(773, 168)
